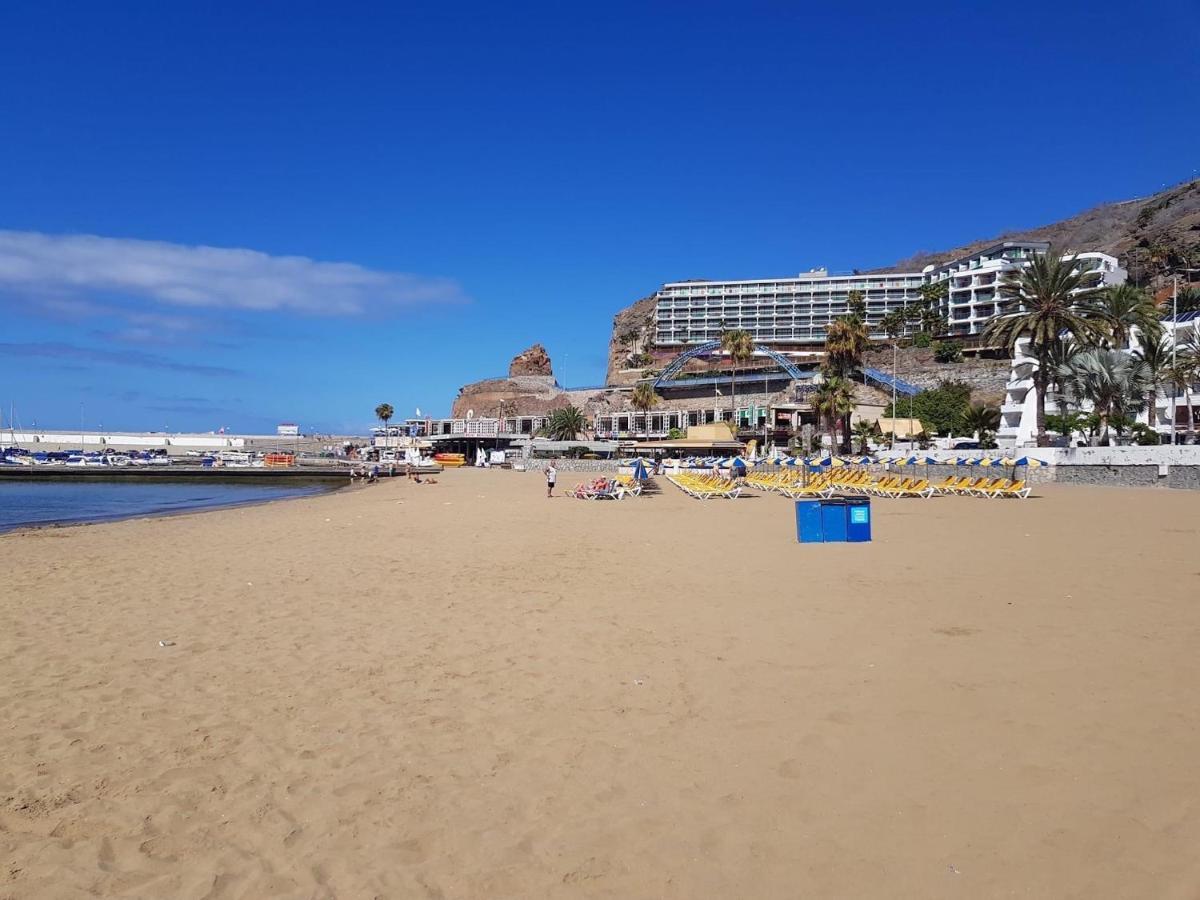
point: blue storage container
(808, 522)
(833, 519)
(858, 519)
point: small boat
(450, 460)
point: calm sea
(38, 502)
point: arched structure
(706, 349)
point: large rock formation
(529, 389)
(534, 361)
(522, 395)
(631, 347)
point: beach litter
(166, 643)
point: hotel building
(973, 282)
(792, 313)
(786, 313)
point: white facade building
(1175, 405)
(778, 312)
(973, 282)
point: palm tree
(856, 302)
(384, 412)
(645, 399)
(740, 346)
(1059, 357)
(564, 424)
(1185, 372)
(933, 292)
(1123, 307)
(983, 421)
(1188, 300)
(833, 399)
(892, 323)
(865, 432)
(1116, 383)
(846, 340)
(1053, 299)
(1155, 355)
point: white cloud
(207, 277)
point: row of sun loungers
(984, 487)
(860, 481)
(791, 484)
(898, 486)
(705, 487)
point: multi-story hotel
(973, 282)
(779, 312)
(792, 313)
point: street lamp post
(1174, 341)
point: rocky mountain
(1150, 235)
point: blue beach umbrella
(739, 466)
(1030, 461)
(639, 470)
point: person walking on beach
(551, 478)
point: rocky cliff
(529, 389)
(630, 348)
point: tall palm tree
(832, 400)
(1123, 307)
(384, 412)
(933, 292)
(1053, 300)
(1115, 383)
(645, 399)
(1059, 357)
(740, 346)
(846, 340)
(856, 302)
(1155, 355)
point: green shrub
(947, 351)
(922, 339)
(1145, 436)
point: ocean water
(44, 502)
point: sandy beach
(467, 691)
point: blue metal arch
(676, 365)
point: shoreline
(78, 522)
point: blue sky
(402, 196)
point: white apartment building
(792, 313)
(778, 312)
(1175, 405)
(973, 282)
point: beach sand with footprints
(465, 690)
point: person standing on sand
(551, 478)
